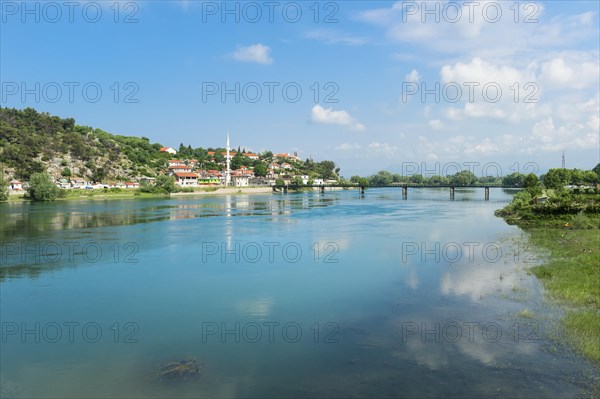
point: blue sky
(361, 68)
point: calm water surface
(298, 295)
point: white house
(186, 179)
(240, 180)
(251, 156)
(179, 169)
(78, 183)
(170, 150)
(16, 185)
(175, 162)
(131, 184)
(287, 156)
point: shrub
(41, 187)
(165, 184)
(581, 221)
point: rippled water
(297, 295)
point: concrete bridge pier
(322, 189)
(361, 190)
(487, 193)
(404, 192)
(285, 189)
(451, 193)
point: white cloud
(257, 53)
(570, 71)
(477, 32)
(436, 124)
(413, 76)
(348, 147)
(329, 116)
(493, 91)
(550, 137)
(382, 148)
(481, 72)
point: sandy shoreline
(228, 191)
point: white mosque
(228, 158)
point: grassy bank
(571, 276)
(118, 193)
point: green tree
(417, 179)
(515, 179)
(42, 188)
(280, 182)
(219, 158)
(237, 161)
(146, 187)
(363, 181)
(591, 177)
(266, 156)
(66, 172)
(327, 169)
(99, 174)
(556, 178)
(297, 181)
(596, 169)
(577, 177)
(398, 178)
(3, 185)
(382, 178)
(165, 184)
(463, 178)
(260, 170)
(532, 185)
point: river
(330, 294)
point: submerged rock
(181, 370)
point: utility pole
(563, 159)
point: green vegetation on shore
(567, 223)
(35, 142)
(555, 178)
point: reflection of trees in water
(67, 221)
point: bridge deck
(391, 186)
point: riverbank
(110, 194)
(571, 275)
(227, 191)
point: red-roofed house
(16, 185)
(287, 156)
(170, 150)
(186, 179)
(251, 155)
(175, 162)
(179, 168)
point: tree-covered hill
(32, 141)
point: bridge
(361, 188)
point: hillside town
(282, 168)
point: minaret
(228, 159)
